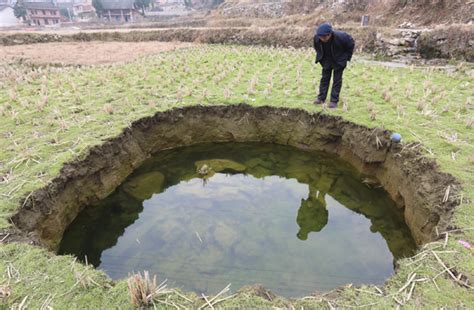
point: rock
(208, 259)
(298, 172)
(396, 42)
(247, 248)
(254, 162)
(204, 169)
(259, 172)
(143, 186)
(406, 25)
(225, 235)
(208, 168)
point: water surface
(209, 215)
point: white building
(7, 18)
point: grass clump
(144, 290)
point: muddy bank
(285, 37)
(374, 40)
(412, 180)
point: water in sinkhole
(208, 215)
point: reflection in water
(209, 215)
(312, 215)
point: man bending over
(333, 50)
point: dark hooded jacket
(342, 47)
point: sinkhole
(207, 215)
(243, 195)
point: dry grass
(85, 53)
(142, 289)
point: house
(42, 13)
(83, 9)
(119, 10)
(7, 18)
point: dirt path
(85, 53)
(75, 30)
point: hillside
(381, 12)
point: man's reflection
(312, 214)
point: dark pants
(336, 83)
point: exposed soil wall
(448, 42)
(411, 179)
(301, 37)
(368, 39)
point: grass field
(51, 115)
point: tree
(19, 10)
(66, 13)
(98, 7)
(142, 4)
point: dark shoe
(332, 105)
(318, 101)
